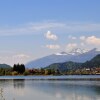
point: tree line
(19, 69)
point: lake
(29, 88)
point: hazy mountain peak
(77, 51)
(75, 55)
(94, 49)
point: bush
(26, 73)
(14, 73)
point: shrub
(14, 73)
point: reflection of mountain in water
(62, 90)
(5, 83)
(19, 83)
(68, 90)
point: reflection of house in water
(19, 83)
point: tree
(19, 68)
(15, 67)
(52, 71)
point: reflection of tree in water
(19, 83)
(97, 89)
(3, 84)
(1, 94)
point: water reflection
(69, 90)
(1, 94)
(19, 83)
(50, 90)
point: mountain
(5, 66)
(62, 67)
(76, 55)
(76, 51)
(93, 63)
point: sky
(31, 29)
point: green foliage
(76, 68)
(42, 71)
(95, 62)
(26, 73)
(52, 71)
(14, 73)
(47, 72)
(5, 71)
(68, 68)
(63, 67)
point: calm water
(29, 89)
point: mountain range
(5, 66)
(76, 55)
(69, 66)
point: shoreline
(49, 77)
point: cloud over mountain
(93, 40)
(51, 36)
(71, 46)
(53, 46)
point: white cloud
(21, 56)
(90, 42)
(82, 38)
(51, 36)
(65, 27)
(93, 40)
(82, 44)
(71, 46)
(31, 28)
(72, 37)
(82, 27)
(12, 59)
(53, 46)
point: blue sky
(30, 29)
